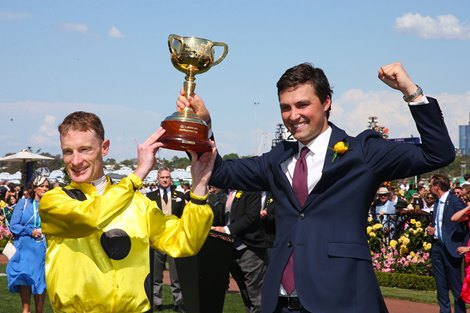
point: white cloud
(35, 123)
(46, 134)
(352, 109)
(114, 32)
(12, 16)
(76, 27)
(427, 27)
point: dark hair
(442, 181)
(306, 73)
(31, 186)
(82, 121)
(466, 176)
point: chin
(82, 178)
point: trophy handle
(171, 39)
(222, 56)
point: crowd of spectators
(394, 204)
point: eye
(66, 152)
(301, 105)
(284, 108)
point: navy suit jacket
(332, 264)
(245, 222)
(454, 234)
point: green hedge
(406, 281)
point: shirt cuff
(423, 101)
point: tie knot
(303, 152)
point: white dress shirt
(315, 159)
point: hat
(382, 191)
(39, 180)
(465, 183)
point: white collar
(318, 145)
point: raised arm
(395, 76)
(461, 216)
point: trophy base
(183, 134)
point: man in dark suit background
(320, 224)
(447, 237)
(171, 202)
(249, 248)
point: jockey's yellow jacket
(97, 257)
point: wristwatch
(418, 92)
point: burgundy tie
(300, 187)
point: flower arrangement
(5, 234)
(409, 253)
(383, 131)
(340, 148)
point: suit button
(301, 216)
(289, 244)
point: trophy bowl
(190, 55)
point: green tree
(230, 156)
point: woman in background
(464, 216)
(25, 270)
(9, 207)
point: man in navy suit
(448, 236)
(324, 236)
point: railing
(394, 225)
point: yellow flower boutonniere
(238, 194)
(270, 200)
(340, 148)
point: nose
(294, 114)
(76, 158)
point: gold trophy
(190, 55)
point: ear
(105, 147)
(327, 104)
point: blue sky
(111, 58)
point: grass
(10, 302)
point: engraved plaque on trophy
(190, 55)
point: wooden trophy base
(184, 135)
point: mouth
(78, 171)
(298, 127)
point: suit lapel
(329, 167)
(290, 149)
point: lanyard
(36, 217)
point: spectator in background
(466, 177)
(217, 200)
(400, 203)
(458, 190)
(9, 207)
(248, 264)
(382, 206)
(410, 192)
(429, 201)
(267, 220)
(3, 189)
(25, 270)
(171, 202)
(448, 237)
